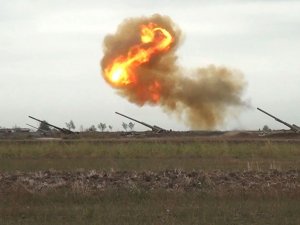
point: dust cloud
(203, 99)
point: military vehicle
(38, 129)
(63, 130)
(293, 127)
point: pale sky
(50, 53)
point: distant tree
(125, 126)
(92, 128)
(70, 125)
(266, 128)
(81, 128)
(110, 127)
(102, 126)
(44, 126)
(131, 126)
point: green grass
(160, 207)
(30, 156)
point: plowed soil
(173, 180)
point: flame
(121, 72)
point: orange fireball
(121, 71)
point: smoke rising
(202, 99)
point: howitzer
(38, 129)
(154, 128)
(293, 127)
(63, 130)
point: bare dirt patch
(172, 180)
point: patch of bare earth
(172, 180)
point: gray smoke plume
(203, 99)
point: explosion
(121, 72)
(140, 63)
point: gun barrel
(153, 128)
(267, 113)
(32, 126)
(64, 130)
(43, 131)
(294, 128)
(145, 124)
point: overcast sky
(50, 53)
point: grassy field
(120, 206)
(31, 156)
(158, 207)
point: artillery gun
(63, 130)
(154, 128)
(38, 129)
(293, 127)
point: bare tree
(70, 125)
(131, 126)
(102, 126)
(125, 126)
(81, 128)
(110, 127)
(92, 128)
